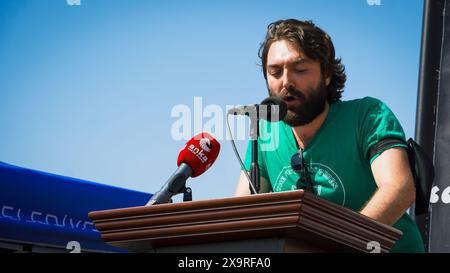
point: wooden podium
(294, 221)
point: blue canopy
(47, 210)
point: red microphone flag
(199, 153)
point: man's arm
(396, 191)
(243, 188)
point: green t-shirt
(336, 158)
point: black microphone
(272, 109)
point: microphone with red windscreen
(195, 158)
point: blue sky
(87, 91)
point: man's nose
(287, 80)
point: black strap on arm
(383, 145)
(421, 167)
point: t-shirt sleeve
(248, 160)
(378, 122)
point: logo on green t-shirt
(326, 182)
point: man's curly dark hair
(315, 43)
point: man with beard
(323, 145)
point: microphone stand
(254, 167)
(187, 194)
(254, 113)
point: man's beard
(309, 108)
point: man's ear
(327, 80)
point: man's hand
(243, 188)
(396, 191)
